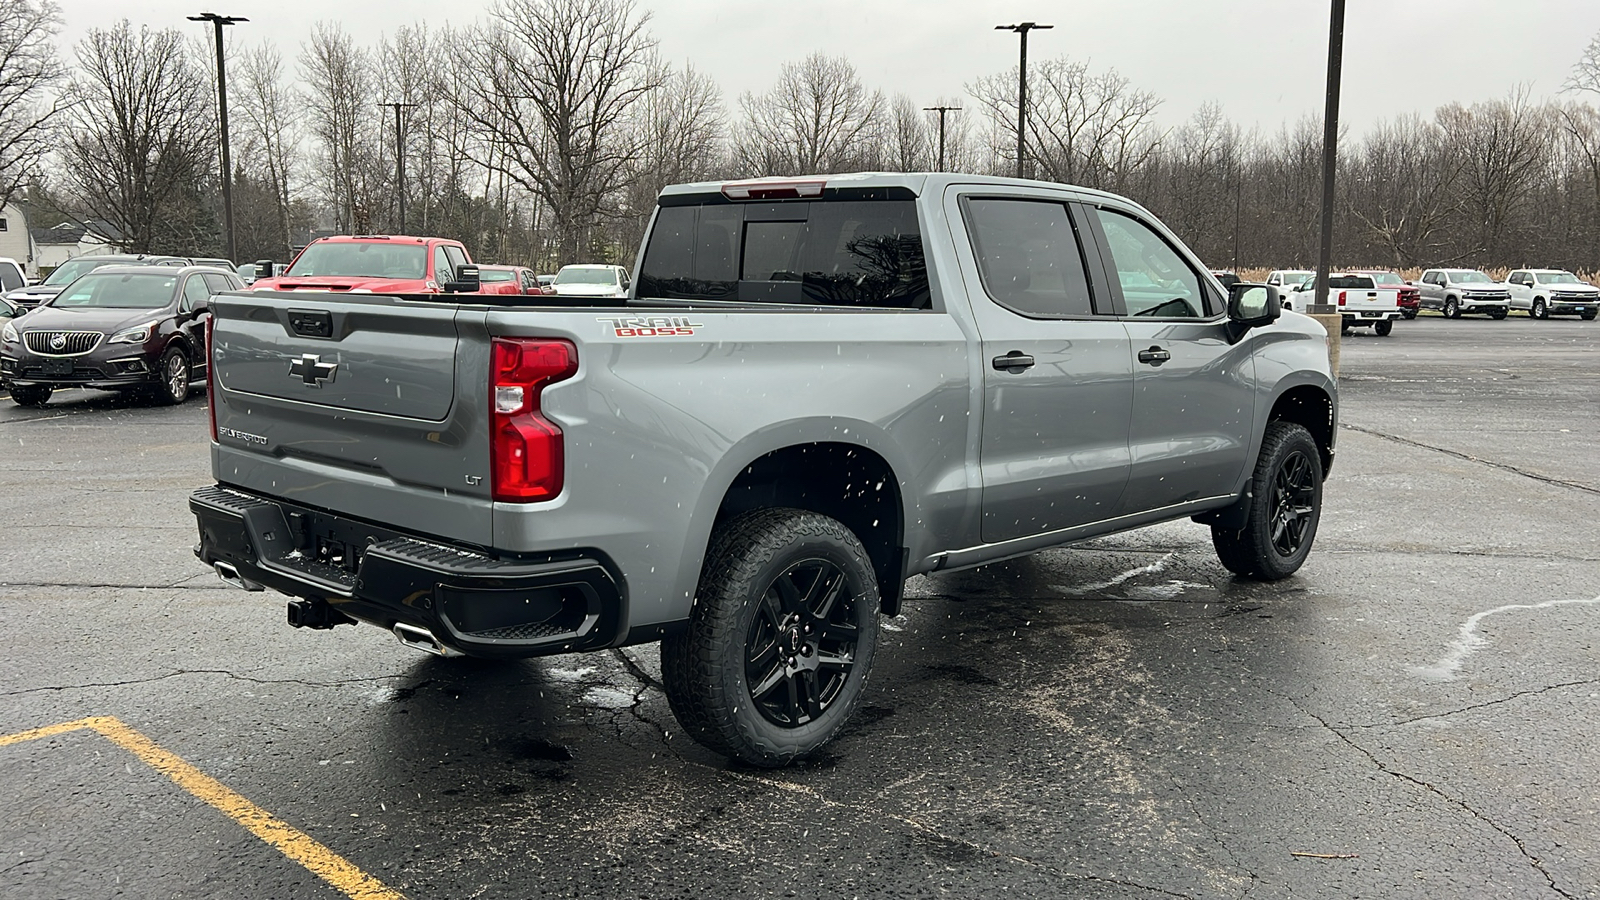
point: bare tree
(911, 145)
(553, 99)
(1083, 128)
(818, 118)
(338, 81)
(268, 132)
(684, 126)
(1586, 72)
(137, 150)
(29, 69)
(1502, 146)
(1403, 190)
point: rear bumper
(1361, 316)
(469, 601)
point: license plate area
(57, 366)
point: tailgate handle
(311, 322)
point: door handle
(1155, 356)
(1012, 362)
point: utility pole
(1022, 30)
(399, 158)
(941, 110)
(222, 114)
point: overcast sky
(1263, 60)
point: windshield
(585, 275)
(1387, 278)
(1559, 278)
(1469, 278)
(496, 275)
(72, 268)
(151, 290)
(361, 259)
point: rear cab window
(855, 249)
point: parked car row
(136, 322)
(1540, 293)
(138, 329)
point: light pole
(399, 158)
(941, 110)
(222, 114)
(1022, 30)
(1330, 156)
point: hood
(1573, 288)
(587, 290)
(35, 293)
(48, 318)
(345, 283)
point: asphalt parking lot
(1413, 715)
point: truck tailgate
(1363, 300)
(351, 402)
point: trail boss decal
(649, 326)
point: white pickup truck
(1543, 293)
(1360, 300)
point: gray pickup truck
(820, 387)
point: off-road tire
(1288, 454)
(31, 395)
(1383, 328)
(173, 372)
(704, 667)
(1452, 308)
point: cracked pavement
(1115, 720)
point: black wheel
(780, 640)
(1344, 327)
(173, 388)
(1409, 314)
(1452, 308)
(1538, 311)
(1587, 317)
(1499, 313)
(31, 395)
(1383, 328)
(1285, 507)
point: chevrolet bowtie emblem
(311, 370)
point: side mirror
(1252, 306)
(466, 280)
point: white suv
(1553, 292)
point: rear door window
(1029, 256)
(826, 252)
(10, 277)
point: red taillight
(1341, 297)
(526, 459)
(211, 384)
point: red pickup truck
(376, 264)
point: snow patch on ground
(1468, 641)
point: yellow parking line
(291, 842)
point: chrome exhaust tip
(422, 639)
(231, 576)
